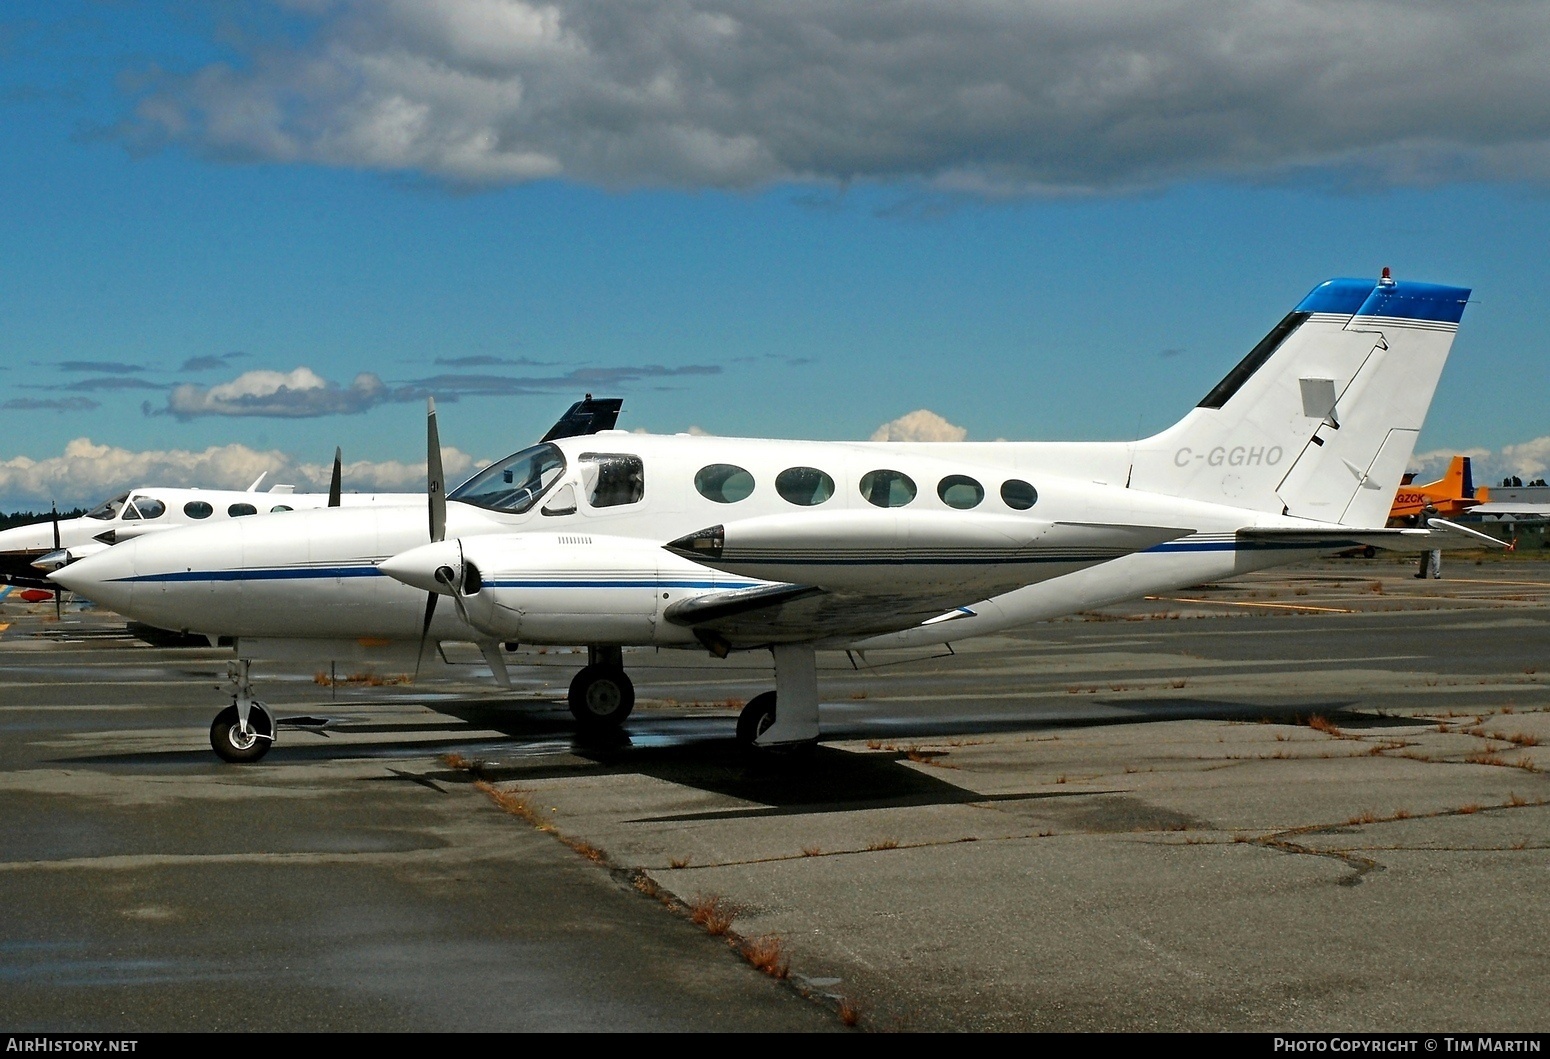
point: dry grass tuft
(812, 851)
(1519, 738)
(858, 694)
(509, 800)
(368, 680)
(1470, 809)
(1401, 814)
(1368, 817)
(1375, 586)
(678, 862)
(850, 1015)
(1319, 723)
(643, 883)
(1485, 757)
(713, 912)
(1178, 682)
(874, 744)
(585, 848)
(1515, 799)
(1060, 778)
(768, 953)
(882, 844)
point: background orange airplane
(1452, 494)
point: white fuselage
(153, 509)
(597, 572)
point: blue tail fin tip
(1403, 299)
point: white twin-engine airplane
(729, 544)
(28, 553)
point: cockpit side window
(108, 509)
(515, 483)
(148, 507)
(613, 478)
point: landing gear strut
(795, 724)
(243, 731)
(602, 695)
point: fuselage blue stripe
(282, 574)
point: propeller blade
(337, 480)
(425, 631)
(435, 481)
(54, 510)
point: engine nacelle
(563, 588)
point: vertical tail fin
(1320, 419)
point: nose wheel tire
(232, 743)
(601, 697)
(756, 718)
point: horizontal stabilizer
(1442, 536)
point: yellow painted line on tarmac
(1238, 603)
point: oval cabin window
(960, 491)
(887, 488)
(725, 483)
(1019, 495)
(804, 486)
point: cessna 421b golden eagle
(616, 539)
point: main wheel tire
(601, 697)
(756, 718)
(232, 744)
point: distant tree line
(27, 518)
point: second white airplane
(731, 544)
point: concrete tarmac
(1310, 800)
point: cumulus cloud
(297, 394)
(979, 96)
(86, 473)
(919, 425)
(1526, 459)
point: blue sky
(235, 235)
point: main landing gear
(602, 695)
(243, 731)
(795, 723)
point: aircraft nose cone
(105, 578)
(417, 567)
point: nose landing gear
(244, 731)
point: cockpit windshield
(108, 509)
(515, 483)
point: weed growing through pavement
(713, 912)
(768, 953)
(1320, 723)
(882, 844)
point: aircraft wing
(1441, 535)
(1508, 508)
(862, 573)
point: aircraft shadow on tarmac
(525, 740)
